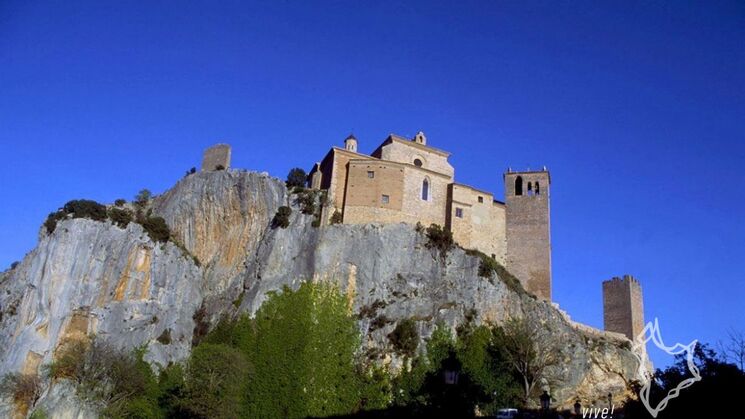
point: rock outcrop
(91, 277)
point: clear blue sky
(637, 108)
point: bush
(307, 201)
(439, 238)
(105, 375)
(405, 337)
(52, 219)
(14, 264)
(165, 337)
(191, 171)
(120, 217)
(78, 208)
(157, 229)
(336, 217)
(85, 208)
(282, 217)
(23, 389)
(120, 202)
(142, 199)
(296, 177)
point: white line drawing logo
(652, 332)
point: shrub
(419, 228)
(201, 325)
(439, 238)
(85, 208)
(282, 217)
(120, 202)
(298, 189)
(296, 177)
(157, 229)
(191, 171)
(67, 360)
(24, 389)
(78, 208)
(120, 217)
(105, 375)
(165, 337)
(336, 217)
(405, 337)
(52, 219)
(307, 201)
(14, 265)
(142, 199)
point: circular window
(417, 163)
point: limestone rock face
(91, 277)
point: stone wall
(402, 150)
(402, 184)
(623, 309)
(215, 157)
(528, 228)
(482, 224)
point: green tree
(304, 351)
(296, 177)
(216, 380)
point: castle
(406, 180)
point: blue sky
(637, 108)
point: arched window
(417, 163)
(530, 188)
(425, 190)
(537, 188)
(519, 185)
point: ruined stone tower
(623, 310)
(528, 225)
(216, 157)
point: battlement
(625, 278)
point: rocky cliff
(92, 277)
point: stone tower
(350, 143)
(528, 225)
(216, 157)
(623, 310)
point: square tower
(528, 229)
(216, 157)
(623, 310)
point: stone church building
(406, 180)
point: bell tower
(528, 225)
(350, 143)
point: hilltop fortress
(406, 180)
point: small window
(481, 200)
(519, 185)
(425, 190)
(417, 163)
(537, 188)
(370, 174)
(386, 199)
(459, 212)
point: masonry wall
(623, 309)
(402, 184)
(406, 151)
(482, 225)
(528, 232)
(216, 156)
